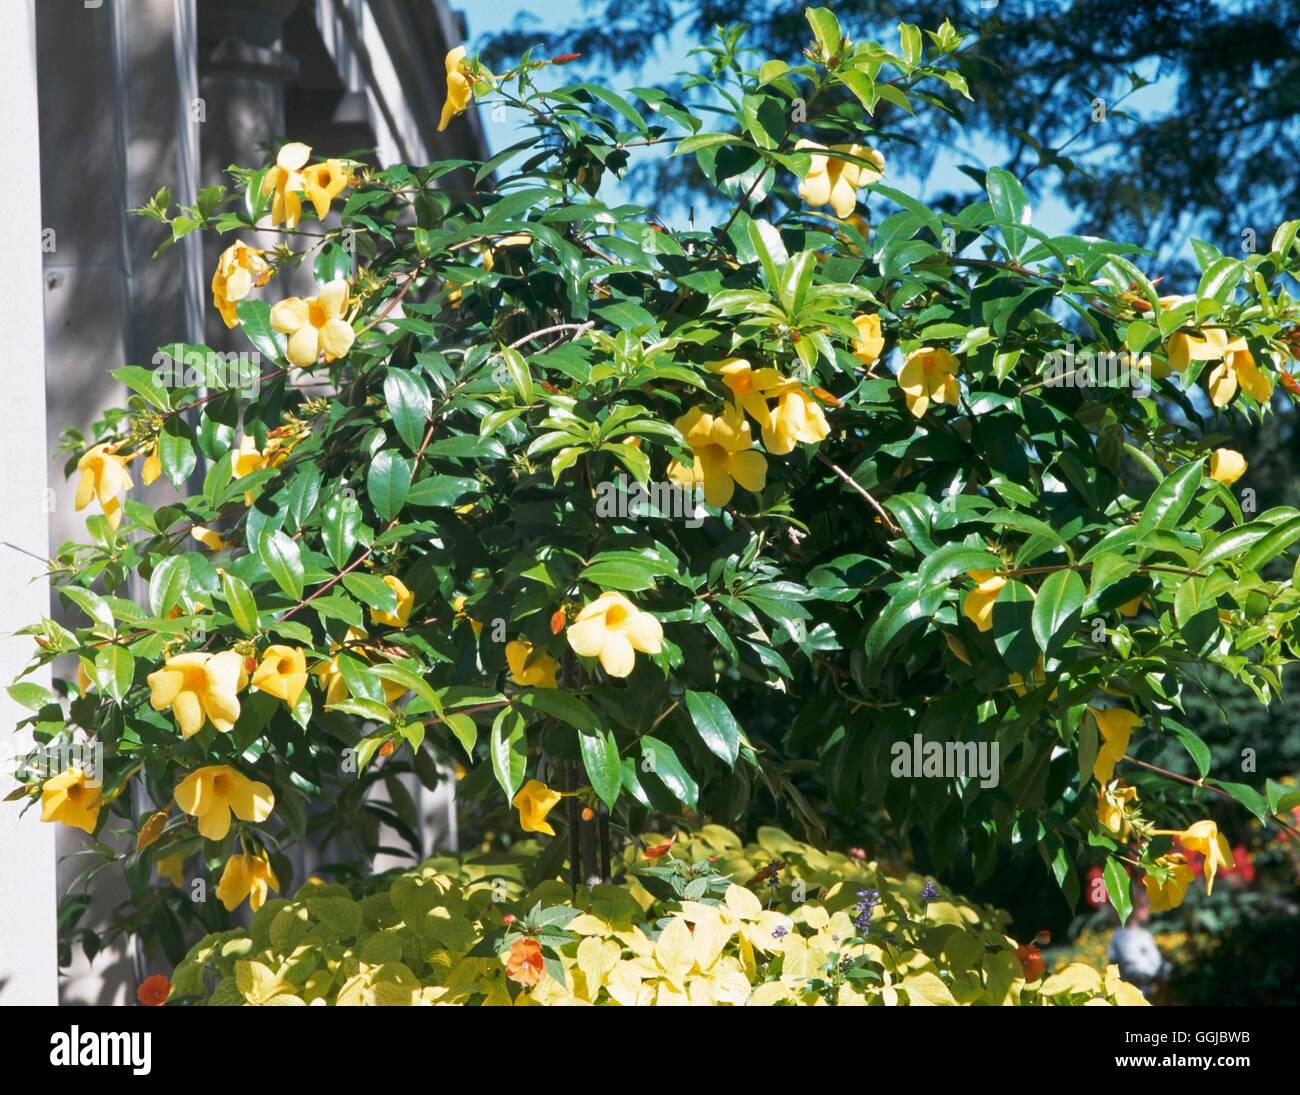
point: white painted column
(28, 963)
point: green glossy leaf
(603, 764)
(400, 674)
(1272, 545)
(1196, 748)
(465, 730)
(114, 669)
(715, 724)
(240, 601)
(564, 706)
(1010, 206)
(167, 584)
(1117, 886)
(176, 451)
(1169, 501)
(520, 377)
(371, 590)
(1057, 609)
(658, 758)
(509, 751)
(387, 483)
(1012, 628)
(283, 559)
(1232, 542)
(442, 490)
(340, 523)
(953, 559)
(409, 405)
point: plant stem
(1205, 786)
(880, 510)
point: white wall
(28, 970)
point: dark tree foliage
(1218, 160)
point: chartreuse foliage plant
(444, 530)
(677, 929)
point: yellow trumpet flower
(282, 673)
(239, 269)
(73, 798)
(534, 801)
(1116, 725)
(529, 669)
(612, 629)
(460, 87)
(978, 605)
(315, 324)
(1114, 805)
(246, 876)
(1204, 837)
(1227, 466)
(1168, 892)
(929, 375)
(103, 476)
(870, 340)
(750, 388)
(405, 602)
(322, 183)
(1238, 370)
(199, 685)
(835, 182)
(723, 450)
(211, 794)
(152, 466)
(1184, 348)
(285, 182)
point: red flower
(525, 964)
(1031, 962)
(153, 990)
(564, 58)
(857, 853)
(1242, 871)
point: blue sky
(1050, 213)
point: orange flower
(525, 965)
(153, 990)
(1031, 962)
(656, 850)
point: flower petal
(289, 314)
